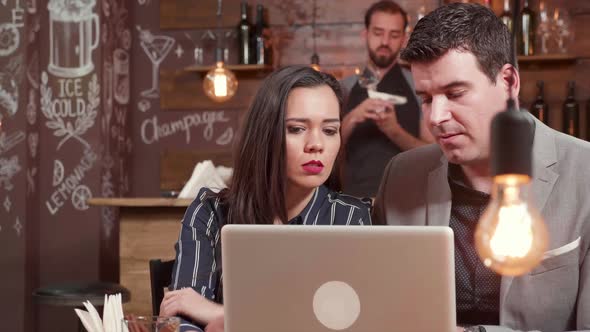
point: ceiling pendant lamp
(511, 237)
(315, 58)
(220, 83)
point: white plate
(394, 99)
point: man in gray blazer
(460, 56)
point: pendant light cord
(313, 27)
(514, 49)
(219, 34)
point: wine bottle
(526, 32)
(245, 37)
(539, 108)
(571, 113)
(260, 43)
(506, 15)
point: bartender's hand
(216, 325)
(363, 112)
(387, 122)
(187, 302)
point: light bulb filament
(220, 85)
(513, 236)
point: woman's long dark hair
(256, 194)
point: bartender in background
(375, 130)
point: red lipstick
(313, 167)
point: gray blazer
(555, 296)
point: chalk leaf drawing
(67, 129)
(108, 220)
(33, 70)
(31, 180)
(8, 168)
(58, 172)
(108, 188)
(33, 144)
(179, 51)
(32, 108)
(226, 137)
(7, 204)
(9, 141)
(8, 98)
(17, 226)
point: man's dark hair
(462, 27)
(385, 6)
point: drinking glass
(563, 30)
(150, 324)
(368, 80)
(544, 28)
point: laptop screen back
(338, 278)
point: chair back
(160, 278)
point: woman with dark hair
(287, 149)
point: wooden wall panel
(337, 45)
(176, 166)
(190, 14)
(580, 46)
(146, 233)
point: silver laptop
(338, 278)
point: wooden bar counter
(148, 228)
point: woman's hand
(216, 325)
(187, 302)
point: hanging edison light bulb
(315, 58)
(220, 84)
(511, 236)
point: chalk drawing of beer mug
(74, 32)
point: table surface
(140, 201)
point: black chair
(73, 294)
(160, 278)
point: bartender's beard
(382, 61)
